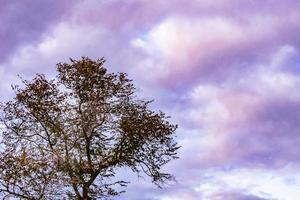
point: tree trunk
(85, 193)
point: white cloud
(258, 182)
(177, 43)
(65, 40)
(178, 38)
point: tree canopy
(66, 138)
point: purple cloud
(24, 22)
(271, 137)
(235, 196)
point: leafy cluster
(66, 138)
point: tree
(66, 138)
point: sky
(226, 71)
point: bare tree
(66, 138)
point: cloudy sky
(227, 71)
